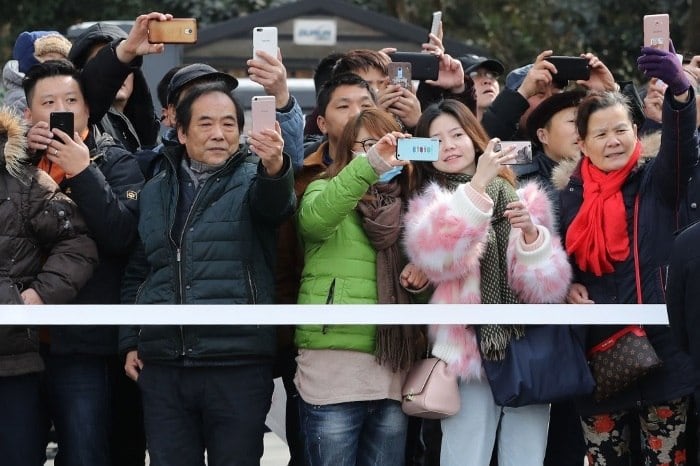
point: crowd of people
(182, 207)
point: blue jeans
(358, 433)
(222, 410)
(22, 421)
(80, 397)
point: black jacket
(225, 255)
(44, 245)
(660, 184)
(107, 196)
(102, 76)
(683, 295)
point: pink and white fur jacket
(445, 236)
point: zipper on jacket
(329, 300)
(251, 285)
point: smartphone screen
(400, 73)
(262, 108)
(174, 31)
(656, 31)
(265, 39)
(523, 151)
(418, 149)
(62, 121)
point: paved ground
(276, 453)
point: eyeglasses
(367, 144)
(483, 74)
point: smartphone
(262, 108)
(400, 73)
(523, 151)
(656, 31)
(435, 26)
(174, 31)
(423, 65)
(418, 149)
(62, 121)
(571, 68)
(265, 39)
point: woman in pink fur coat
(481, 242)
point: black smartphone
(423, 65)
(571, 68)
(62, 121)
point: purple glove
(655, 63)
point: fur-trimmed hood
(562, 172)
(13, 144)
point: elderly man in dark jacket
(46, 258)
(104, 180)
(209, 238)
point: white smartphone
(435, 27)
(262, 109)
(265, 39)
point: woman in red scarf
(618, 214)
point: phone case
(262, 109)
(418, 149)
(656, 31)
(571, 68)
(175, 31)
(435, 26)
(63, 121)
(265, 39)
(423, 65)
(523, 151)
(400, 73)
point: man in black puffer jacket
(104, 180)
(47, 257)
(209, 238)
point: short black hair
(183, 111)
(596, 101)
(50, 69)
(324, 69)
(162, 87)
(345, 79)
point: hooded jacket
(137, 127)
(659, 182)
(12, 82)
(44, 244)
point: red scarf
(598, 235)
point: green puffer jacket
(339, 260)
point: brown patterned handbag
(619, 361)
(625, 357)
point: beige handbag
(430, 390)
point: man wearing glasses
(484, 72)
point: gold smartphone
(174, 31)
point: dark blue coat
(661, 184)
(224, 255)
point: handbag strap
(637, 273)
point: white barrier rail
(590, 314)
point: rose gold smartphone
(262, 109)
(656, 31)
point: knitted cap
(24, 50)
